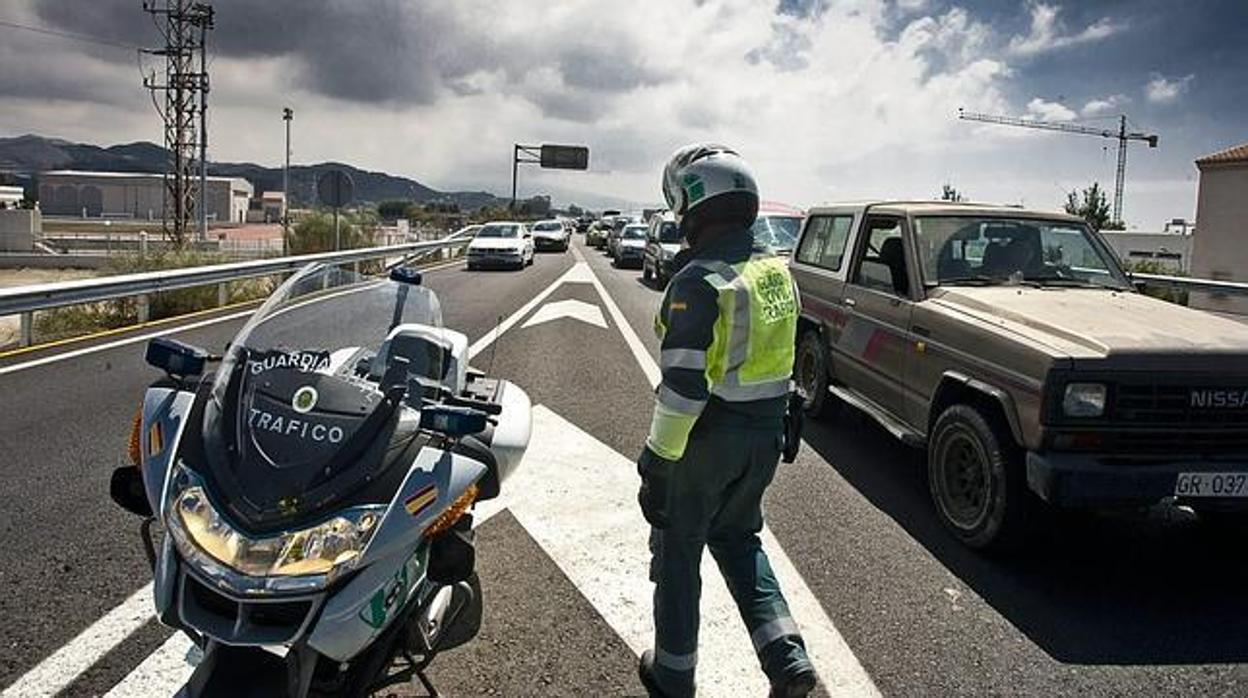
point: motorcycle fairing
(343, 628)
(272, 481)
(168, 408)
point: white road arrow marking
(570, 308)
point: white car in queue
(551, 235)
(501, 244)
(630, 247)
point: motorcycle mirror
(175, 358)
(126, 489)
(453, 421)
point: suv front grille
(1175, 442)
(1156, 415)
(1175, 405)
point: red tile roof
(1237, 153)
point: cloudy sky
(828, 99)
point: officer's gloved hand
(655, 472)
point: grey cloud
(568, 105)
(611, 68)
(374, 52)
(379, 52)
(631, 149)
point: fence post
(142, 243)
(144, 307)
(223, 293)
(27, 336)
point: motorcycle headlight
(1084, 400)
(328, 548)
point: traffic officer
(727, 324)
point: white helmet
(707, 173)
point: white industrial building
(1220, 245)
(137, 195)
(1171, 250)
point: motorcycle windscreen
(308, 408)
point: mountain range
(30, 155)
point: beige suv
(1012, 346)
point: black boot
(645, 672)
(799, 684)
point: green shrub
(315, 232)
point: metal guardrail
(25, 300)
(1192, 284)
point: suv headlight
(328, 548)
(1084, 400)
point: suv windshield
(499, 231)
(979, 250)
(548, 225)
(669, 233)
(776, 232)
(635, 232)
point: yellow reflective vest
(728, 324)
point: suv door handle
(849, 303)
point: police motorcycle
(313, 495)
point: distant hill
(30, 155)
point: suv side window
(824, 244)
(882, 259)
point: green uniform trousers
(715, 501)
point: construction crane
(1122, 134)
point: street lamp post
(287, 115)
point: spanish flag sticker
(422, 500)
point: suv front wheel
(977, 480)
(811, 373)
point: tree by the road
(1092, 205)
(393, 209)
(315, 232)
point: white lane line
(63, 666)
(838, 668)
(491, 336)
(163, 672)
(647, 363)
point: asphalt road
(1097, 605)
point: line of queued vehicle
(651, 246)
(513, 244)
